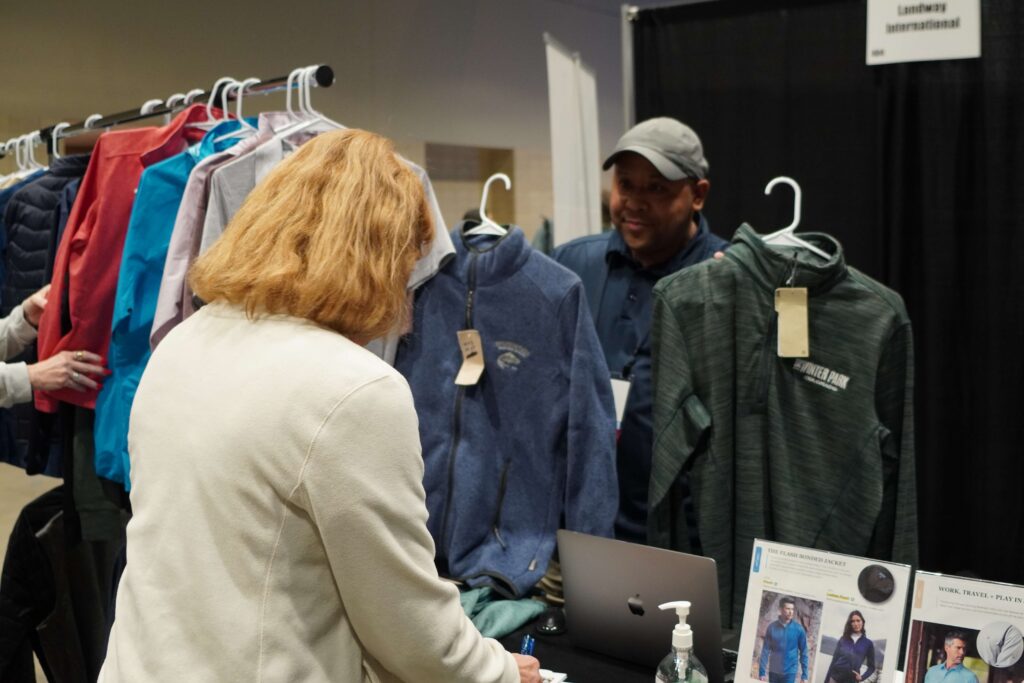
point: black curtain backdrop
(918, 170)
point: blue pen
(526, 648)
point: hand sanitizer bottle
(681, 664)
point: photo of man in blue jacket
(784, 647)
(659, 187)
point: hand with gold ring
(74, 370)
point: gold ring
(79, 355)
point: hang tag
(472, 358)
(791, 305)
(620, 392)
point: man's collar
(617, 249)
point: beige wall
(455, 71)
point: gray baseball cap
(670, 145)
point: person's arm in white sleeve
(363, 486)
(16, 333)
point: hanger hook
(91, 120)
(18, 156)
(293, 83)
(35, 139)
(191, 95)
(174, 100)
(213, 93)
(55, 137)
(309, 79)
(797, 198)
(149, 105)
(238, 99)
(487, 189)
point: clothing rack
(323, 77)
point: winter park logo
(511, 355)
(820, 375)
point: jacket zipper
(501, 499)
(457, 416)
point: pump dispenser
(681, 664)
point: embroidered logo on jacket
(820, 375)
(511, 355)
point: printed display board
(818, 616)
(965, 631)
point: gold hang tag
(791, 305)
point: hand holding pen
(529, 667)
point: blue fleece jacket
(529, 448)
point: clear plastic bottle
(681, 664)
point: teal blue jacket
(142, 265)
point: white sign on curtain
(916, 31)
(575, 157)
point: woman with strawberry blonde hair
(279, 529)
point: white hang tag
(472, 358)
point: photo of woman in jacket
(853, 651)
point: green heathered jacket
(816, 452)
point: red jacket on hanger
(89, 255)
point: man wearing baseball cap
(659, 186)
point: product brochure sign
(821, 617)
(916, 31)
(965, 630)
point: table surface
(557, 653)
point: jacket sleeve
(681, 425)
(16, 333)
(869, 659)
(766, 650)
(802, 648)
(363, 488)
(591, 487)
(895, 534)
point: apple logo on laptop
(636, 605)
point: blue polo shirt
(958, 674)
(618, 291)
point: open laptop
(612, 592)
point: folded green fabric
(496, 617)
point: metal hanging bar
(323, 77)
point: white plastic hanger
(309, 118)
(238, 102)
(488, 226)
(175, 100)
(246, 128)
(31, 140)
(224, 80)
(55, 136)
(785, 237)
(149, 105)
(5, 149)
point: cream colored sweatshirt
(279, 529)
